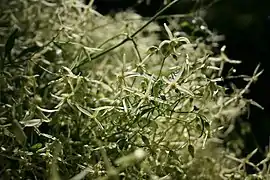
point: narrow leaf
(36, 146)
(145, 140)
(168, 31)
(202, 123)
(47, 110)
(81, 175)
(10, 44)
(18, 132)
(32, 49)
(186, 91)
(31, 123)
(191, 150)
(84, 111)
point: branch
(86, 60)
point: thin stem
(161, 67)
(154, 17)
(129, 37)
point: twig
(84, 61)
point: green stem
(129, 37)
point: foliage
(85, 96)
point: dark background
(246, 26)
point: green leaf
(103, 85)
(32, 49)
(184, 90)
(202, 124)
(191, 150)
(18, 132)
(185, 24)
(47, 110)
(254, 103)
(87, 113)
(103, 108)
(207, 125)
(31, 123)
(145, 140)
(153, 125)
(252, 153)
(157, 88)
(144, 111)
(36, 146)
(81, 175)
(48, 136)
(84, 111)
(169, 32)
(10, 44)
